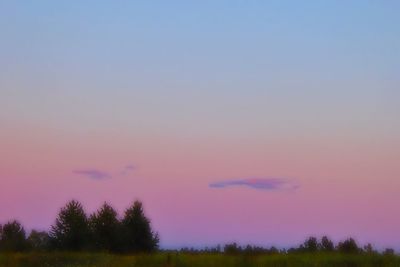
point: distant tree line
(310, 245)
(103, 230)
(73, 230)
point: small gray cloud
(130, 167)
(93, 174)
(127, 169)
(270, 184)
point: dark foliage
(39, 241)
(369, 249)
(105, 228)
(326, 245)
(138, 236)
(13, 237)
(232, 249)
(310, 245)
(348, 246)
(71, 230)
(388, 252)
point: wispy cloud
(127, 169)
(270, 184)
(96, 174)
(93, 174)
(130, 167)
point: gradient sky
(260, 122)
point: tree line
(310, 245)
(73, 230)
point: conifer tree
(138, 235)
(71, 230)
(105, 229)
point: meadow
(76, 259)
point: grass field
(197, 260)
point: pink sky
(201, 97)
(347, 186)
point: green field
(192, 260)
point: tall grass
(190, 260)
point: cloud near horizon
(93, 174)
(269, 184)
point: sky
(259, 122)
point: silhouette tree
(232, 248)
(39, 240)
(71, 230)
(13, 237)
(105, 229)
(348, 246)
(388, 252)
(369, 249)
(326, 244)
(138, 235)
(310, 245)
